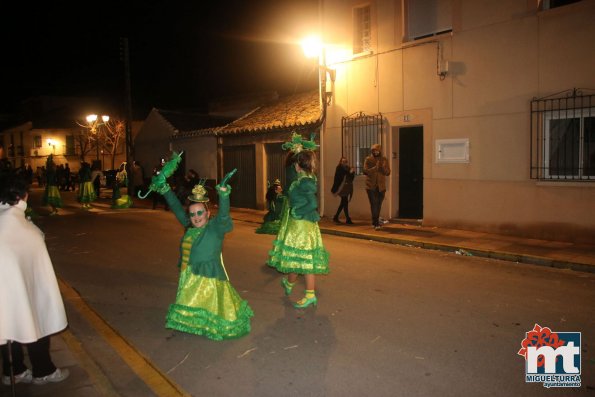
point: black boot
(336, 219)
(348, 221)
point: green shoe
(287, 286)
(305, 302)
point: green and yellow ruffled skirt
(52, 196)
(209, 307)
(298, 248)
(124, 201)
(87, 193)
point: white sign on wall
(452, 150)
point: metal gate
(275, 163)
(243, 183)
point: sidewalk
(558, 254)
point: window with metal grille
(563, 137)
(359, 132)
(37, 141)
(362, 29)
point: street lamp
(94, 124)
(313, 47)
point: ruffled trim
(199, 321)
(269, 228)
(122, 202)
(52, 197)
(87, 194)
(288, 259)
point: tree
(106, 136)
(85, 142)
(113, 135)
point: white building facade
(483, 108)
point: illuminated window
(362, 30)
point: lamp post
(94, 125)
(313, 47)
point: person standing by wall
(32, 308)
(376, 169)
(343, 187)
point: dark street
(391, 320)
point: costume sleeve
(303, 200)
(223, 220)
(177, 208)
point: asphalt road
(391, 320)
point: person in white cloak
(31, 307)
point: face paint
(197, 213)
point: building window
(563, 137)
(362, 30)
(359, 132)
(70, 145)
(37, 141)
(426, 18)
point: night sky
(182, 53)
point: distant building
(52, 125)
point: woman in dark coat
(343, 187)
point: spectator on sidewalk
(376, 168)
(343, 187)
(32, 308)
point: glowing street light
(94, 123)
(314, 47)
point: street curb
(457, 249)
(466, 251)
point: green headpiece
(199, 194)
(297, 143)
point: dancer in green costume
(51, 195)
(276, 201)
(87, 192)
(298, 248)
(119, 200)
(206, 302)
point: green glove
(227, 177)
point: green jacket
(302, 198)
(205, 254)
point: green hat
(297, 143)
(199, 194)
